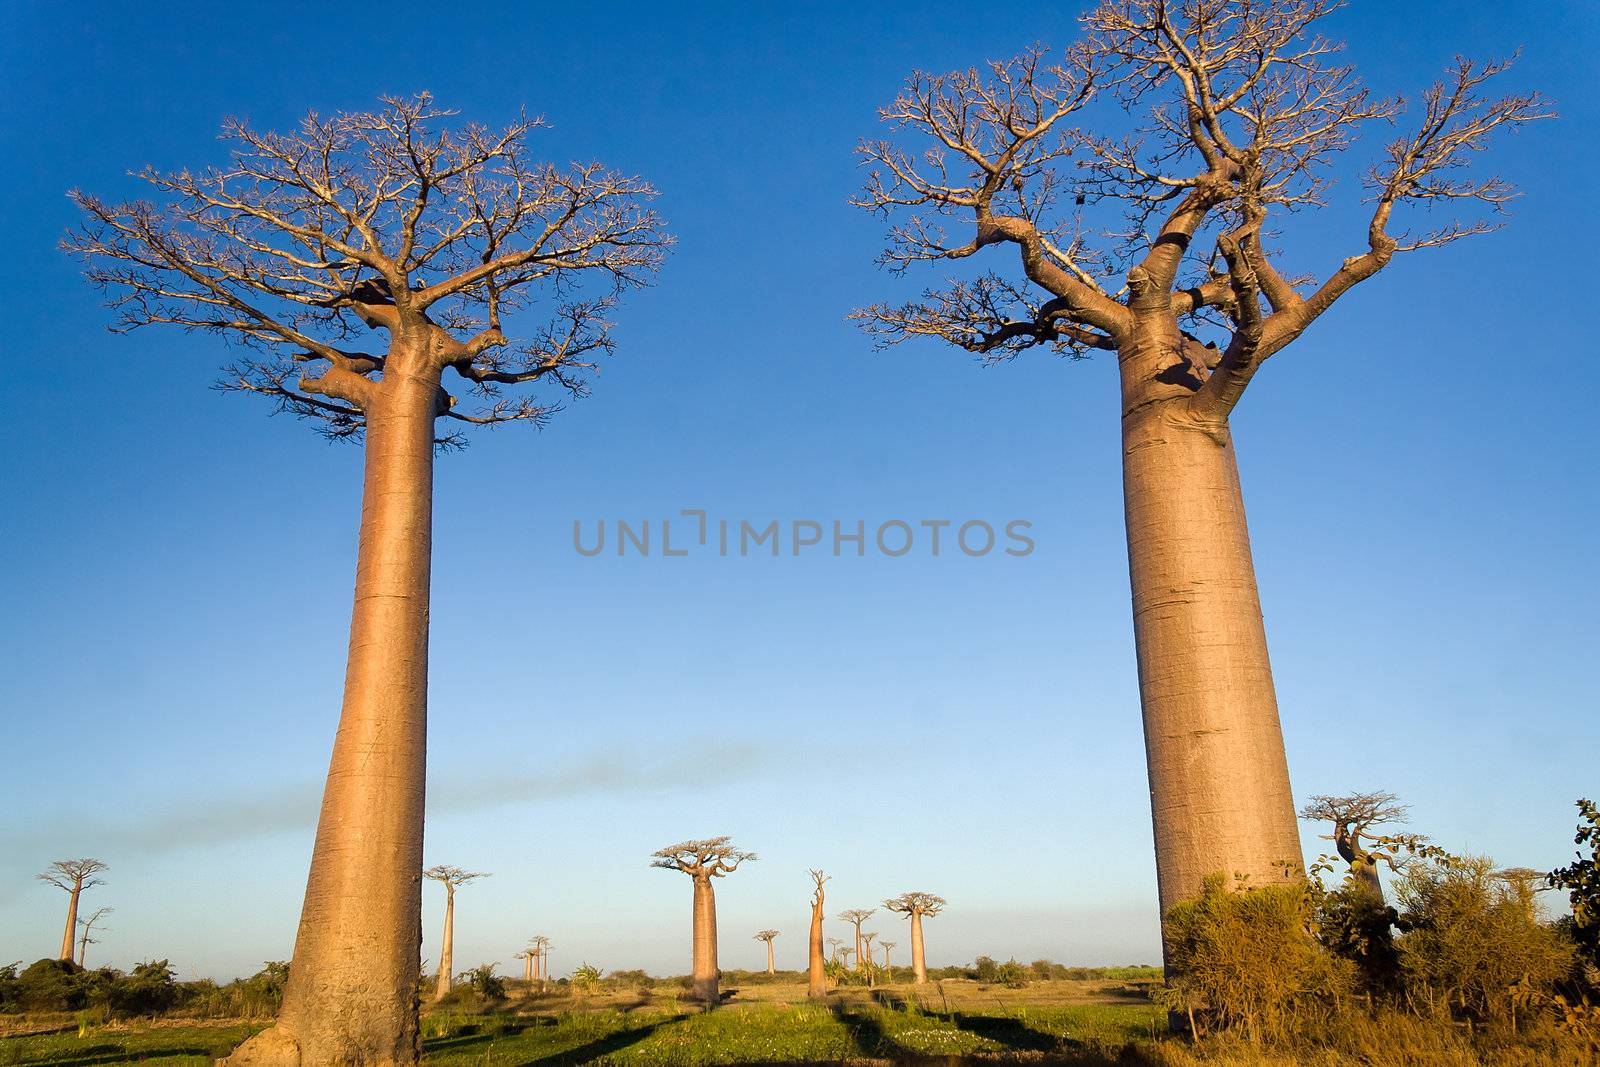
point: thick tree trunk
(816, 971)
(447, 949)
(527, 970)
(1219, 781)
(352, 991)
(705, 940)
(770, 969)
(72, 920)
(918, 961)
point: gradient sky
(177, 565)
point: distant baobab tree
(843, 954)
(541, 948)
(87, 927)
(527, 957)
(767, 936)
(857, 916)
(866, 947)
(816, 972)
(1244, 110)
(451, 878)
(914, 906)
(888, 947)
(72, 877)
(703, 860)
(1353, 818)
(833, 947)
(440, 235)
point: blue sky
(177, 565)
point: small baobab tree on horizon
(452, 878)
(1143, 183)
(450, 240)
(888, 947)
(816, 966)
(915, 906)
(703, 860)
(541, 950)
(855, 917)
(1354, 818)
(768, 936)
(72, 877)
(87, 928)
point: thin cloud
(196, 823)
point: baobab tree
(865, 958)
(541, 948)
(527, 956)
(442, 236)
(1354, 817)
(87, 927)
(703, 860)
(915, 906)
(857, 916)
(452, 878)
(72, 877)
(816, 972)
(833, 947)
(767, 936)
(888, 947)
(1246, 109)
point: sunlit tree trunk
(447, 949)
(770, 969)
(705, 940)
(72, 919)
(816, 970)
(1219, 781)
(918, 965)
(351, 993)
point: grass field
(761, 1024)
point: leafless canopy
(92, 923)
(820, 879)
(711, 857)
(766, 935)
(1356, 813)
(395, 219)
(74, 875)
(916, 903)
(857, 916)
(1245, 108)
(452, 877)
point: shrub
(485, 984)
(1246, 960)
(1473, 944)
(1581, 880)
(51, 985)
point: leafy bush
(1473, 944)
(1246, 960)
(485, 984)
(1581, 880)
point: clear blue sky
(177, 565)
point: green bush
(1245, 960)
(1581, 880)
(1473, 945)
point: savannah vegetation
(369, 263)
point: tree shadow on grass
(869, 1036)
(593, 1050)
(1013, 1033)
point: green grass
(807, 1033)
(170, 1046)
(756, 1033)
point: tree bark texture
(352, 988)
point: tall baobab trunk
(816, 970)
(351, 994)
(1219, 781)
(770, 968)
(705, 940)
(72, 919)
(917, 965)
(447, 949)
